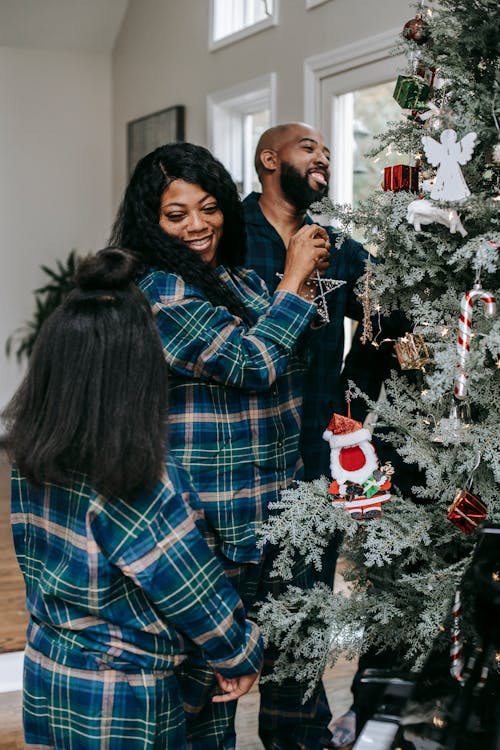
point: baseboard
(11, 671)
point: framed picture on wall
(149, 132)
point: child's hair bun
(111, 268)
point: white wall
(55, 173)
(161, 58)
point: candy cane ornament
(457, 663)
(465, 333)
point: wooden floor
(13, 619)
(13, 622)
(337, 683)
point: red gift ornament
(401, 177)
(467, 511)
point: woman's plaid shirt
(126, 585)
(235, 397)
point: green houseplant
(20, 343)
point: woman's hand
(308, 251)
(234, 688)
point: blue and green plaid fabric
(84, 709)
(323, 393)
(130, 585)
(122, 589)
(235, 397)
(286, 720)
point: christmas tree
(437, 260)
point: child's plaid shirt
(126, 585)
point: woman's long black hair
(137, 225)
(94, 399)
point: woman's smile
(192, 215)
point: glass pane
(233, 15)
(257, 123)
(257, 10)
(374, 107)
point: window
(231, 20)
(346, 94)
(357, 117)
(237, 117)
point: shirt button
(279, 444)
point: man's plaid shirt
(126, 585)
(323, 394)
(235, 397)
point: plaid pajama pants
(80, 709)
(285, 722)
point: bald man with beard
(293, 165)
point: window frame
(362, 63)
(246, 31)
(226, 107)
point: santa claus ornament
(359, 484)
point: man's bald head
(272, 138)
(292, 161)
(278, 136)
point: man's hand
(234, 688)
(307, 251)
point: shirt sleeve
(171, 562)
(207, 342)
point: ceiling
(82, 25)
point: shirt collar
(253, 213)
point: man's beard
(297, 188)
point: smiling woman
(193, 216)
(235, 377)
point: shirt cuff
(293, 305)
(247, 660)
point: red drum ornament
(401, 177)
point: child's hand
(234, 688)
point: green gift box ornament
(411, 92)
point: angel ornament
(448, 155)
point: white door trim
(241, 97)
(340, 60)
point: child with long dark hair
(120, 583)
(234, 370)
